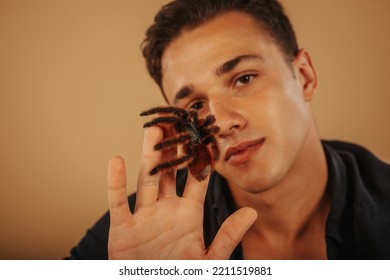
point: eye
(244, 79)
(196, 106)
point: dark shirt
(358, 225)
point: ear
(306, 74)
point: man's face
(231, 68)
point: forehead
(207, 46)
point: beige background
(73, 81)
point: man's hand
(163, 225)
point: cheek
(290, 133)
(287, 109)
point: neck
(296, 205)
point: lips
(243, 151)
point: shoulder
(361, 164)
(369, 175)
(362, 156)
(360, 183)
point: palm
(164, 229)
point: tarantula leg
(214, 146)
(172, 141)
(170, 164)
(213, 130)
(210, 119)
(161, 120)
(194, 115)
(167, 110)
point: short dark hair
(188, 14)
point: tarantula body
(195, 134)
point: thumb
(231, 233)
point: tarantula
(196, 135)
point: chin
(251, 183)
(256, 187)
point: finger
(168, 184)
(117, 193)
(196, 190)
(148, 185)
(231, 233)
(168, 177)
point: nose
(228, 117)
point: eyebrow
(221, 70)
(231, 64)
(183, 93)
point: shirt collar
(339, 221)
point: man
(278, 192)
